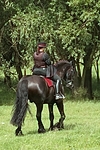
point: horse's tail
(21, 104)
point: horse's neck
(62, 67)
(61, 71)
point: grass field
(81, 132)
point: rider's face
(41, 49)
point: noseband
(70, 77)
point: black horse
(35, 89)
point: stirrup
(59, 96)
(63, 96)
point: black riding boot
(59, 95)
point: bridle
(69, 77)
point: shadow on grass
(67, 127)
(33, 132)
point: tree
(71, 29)
(80, 34)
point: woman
(42, 66)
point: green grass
(82, 129)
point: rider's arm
(47, 59)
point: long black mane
(61, 62)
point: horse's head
(66, 71)
(69, 77)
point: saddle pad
(49, 82)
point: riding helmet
(42, 44)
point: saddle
(49, 82)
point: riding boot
(59, 95)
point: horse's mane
(60, 62)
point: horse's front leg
(18, 131)
(51, 115)
(38, 116)
(60, 107)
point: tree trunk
(87, 73)
(88, 82)
(19, 71)
(7, 79)
(97, 71)
(78, 72)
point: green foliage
(70, 28)
(51, 21)
(6, 99)
(80, 93)
(76, 31)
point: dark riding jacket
(42, 60)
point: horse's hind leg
(18, 131)
(38, 116)
(60, 107)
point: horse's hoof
(50, 129)
(57, 126)
(55, 129)
(41, 130)
(19, 133)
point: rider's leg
(59, 94)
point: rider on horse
(43, 66)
